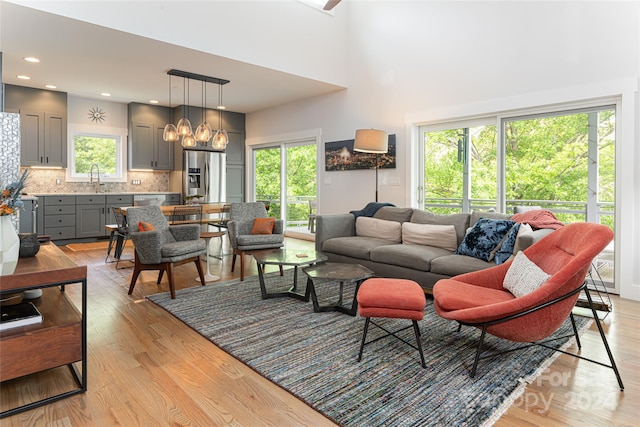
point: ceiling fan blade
(330, 4)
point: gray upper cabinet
(147, 149)
(43, 125)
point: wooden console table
(61, 338)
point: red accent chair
(479, 299)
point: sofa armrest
(336, 225)
(529, 239)
(147, 245)
(183, 232)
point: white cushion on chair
(523, 276)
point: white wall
(272, 34)
(416, 62)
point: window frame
(119, 134)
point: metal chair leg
(364, 337)
(416, 328)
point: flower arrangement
(10, 201)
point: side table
(341, 272)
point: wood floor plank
(146, 368)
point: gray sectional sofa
(337, 237)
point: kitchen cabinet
(147, 149)
(59, 217)
(90, 215)
(61, 338)
(235, 167)
(43, 138)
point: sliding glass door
(285, 179)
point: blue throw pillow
(483, 237)
(506, 250)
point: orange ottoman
(391, 298)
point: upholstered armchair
(243, 231)
(162, 247)
(480, 299)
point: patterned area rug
(313, 355)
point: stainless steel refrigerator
(204, 173)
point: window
(104, 149)
(562, 160)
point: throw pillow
(508, 243)
(440, 236)
(263, 226)
(382, 229)
(145, 226)
(485, 235)
(523, 276)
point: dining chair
(191, 214)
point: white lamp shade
(371, 141)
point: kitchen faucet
(91, 176)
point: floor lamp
(372, 141)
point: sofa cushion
(417, 257)
(379, 228)
(452, 265)
(353, 246)
(459, 221)
(389, 213)
(440, 236)
(263, 225)
(483, 237)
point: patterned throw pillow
(523, 276)
(145, 226)
(508, 243)
(485, 235)
(263, 225)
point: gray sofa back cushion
(476, 215)
(390, 213)
(459, 221)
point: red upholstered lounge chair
(479, 299)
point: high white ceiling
(85, 60)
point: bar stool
(391, 298)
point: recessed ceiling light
(21, 77)
(31, 59)
(105, 94)
(221, 107)
(153, 101)
(51, 86)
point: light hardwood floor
(146, 368)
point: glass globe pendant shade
(220, 140)
(188, 140)
(170, 133)
(184, 127)
(203, 133)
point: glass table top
(289, 257)
(338, 271)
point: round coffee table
(281, 257)
(339, 272)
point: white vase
(9, 246)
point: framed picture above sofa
(339, 156)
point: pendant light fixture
(183, 129)
(203, 132)
(221, 138)
(184, 125)
(170, 133)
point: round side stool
(391, 298)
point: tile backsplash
(45, 181)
